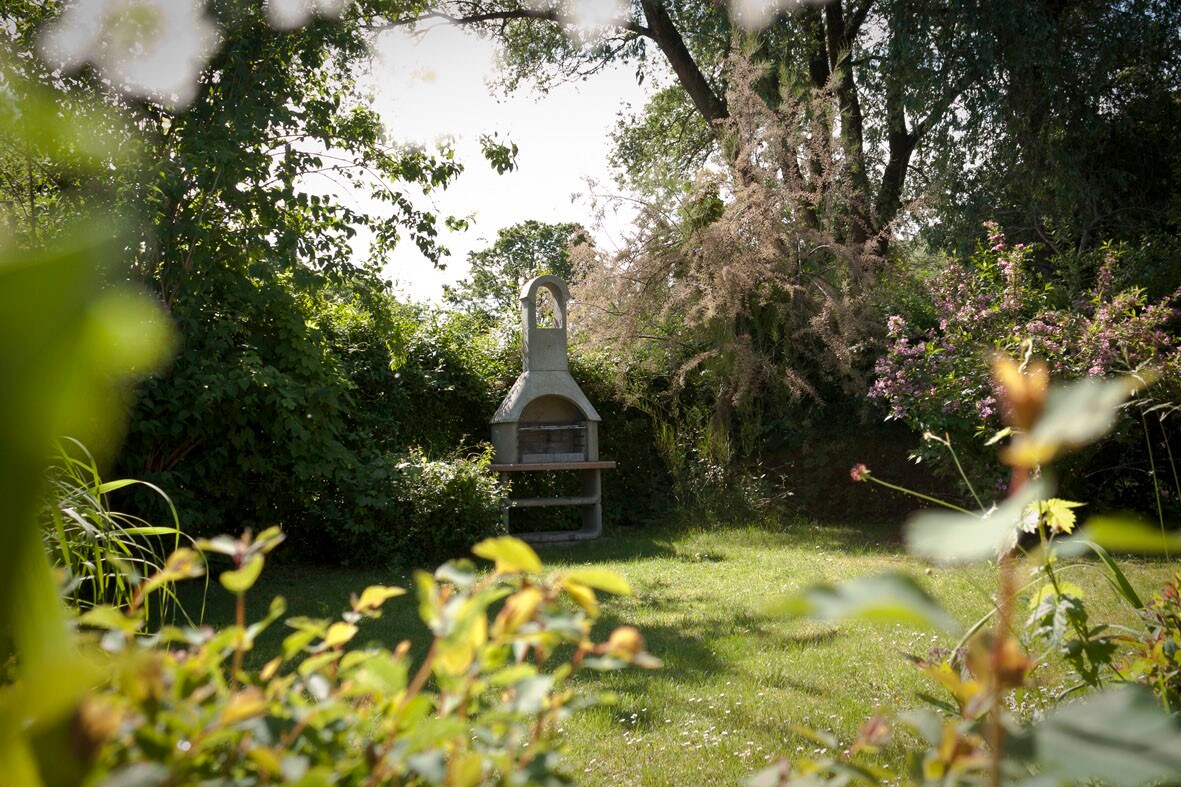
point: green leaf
(1054, 610)
(313, 664)
(951, 538)
(1075, 415)
(1119, 737)
(1128, 534)
(151, 530)
(1115, 575)
(512, 556)
(111, 486)
(600, 579)
(239, 580)
(294, 643)
(109, 619)
(184, 563)
(884, 598)
(512, 674)
(1001, 435)
(274, 612)
(268, 540)
(383, 675)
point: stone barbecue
(546, 423)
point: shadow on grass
(697, 651)
(867, 538)
(690, 543)
(626, 545)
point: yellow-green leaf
(110, 619)
(583, 596)
(267, 759)
(466, 770)
(1058, 514)
(240, 580)
(455, 657)
(885, 598)
(339, 634)
(268, 539)
(244, 705)
(270, 668)
(184, 563)
(374, 596)
(512, 556)
(1125, 534)
(601, 579)
(1075, 415)
(314, 664)
(1047, 591)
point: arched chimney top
(555, 284)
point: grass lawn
(734, 681)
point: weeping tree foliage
(748, 296)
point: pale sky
(437, 85)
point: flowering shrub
(934, 378)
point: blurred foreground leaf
(1075, 415)
(1120, 737)
(886, 598)
(951, 538)
(511, 555)
(1129, 534)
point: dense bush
(639, 489)
(303, 414)
(407, 508)
(932, 373)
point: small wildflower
(859, 472)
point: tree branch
(506, 15)
(659, 28)
(857, 19)
(662, 30)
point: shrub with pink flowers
(932, 373)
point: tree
(890, 72)
(251, 425)
(1074, 144)
(1051, 112)
(521, 252)
(815, 129)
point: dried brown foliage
(753, 278)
